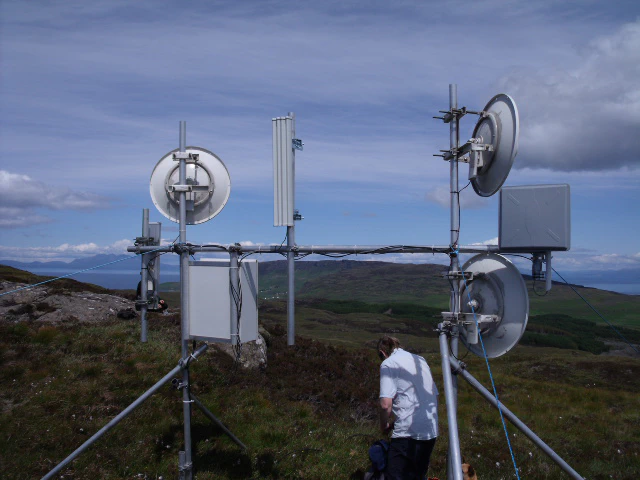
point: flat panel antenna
(284, 170)
(207, 188)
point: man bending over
(408, 409)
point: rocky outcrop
(253, 355)
(44, 305)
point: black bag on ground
(378, 456)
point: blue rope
(597, 313)
(493, 385)
(74, 273)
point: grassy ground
(618, 309)
(310, 415)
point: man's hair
(388, 344)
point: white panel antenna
(283, 171)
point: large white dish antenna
(209, 181)
(500, 127)
(498, 289)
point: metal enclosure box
(535, 218)
(155, 232)
(210, 301)
(283, 172)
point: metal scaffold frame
(448, 329)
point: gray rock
(253, 354)
(38, 304)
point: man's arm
(385, 414)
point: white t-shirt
(406, 379)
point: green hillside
(311, 414)
(380, 282)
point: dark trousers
(408, 459)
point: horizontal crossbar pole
(322, 249)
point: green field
(312, 413)
(378, 282)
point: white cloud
(13, 217)
(578, 261)
(21, 195)
(22, 191)
(468, 199)
(91, 98)
(65, 252)
(586, 117)
(249, 243)
(491, 241)
(614, 260)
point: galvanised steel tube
(121, 416)
(291, 303)
(454, 470)
(477, 386)
(234, 292)
(213, 418)
(291, 242)
(320, 249)
(454, 127)
(144, 279)
(185, 462)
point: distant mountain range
(626, 276)
(109, 261)
(115, 271)
(274, 272)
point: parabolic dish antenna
(207, 177)
(500, 128)
(498, 289)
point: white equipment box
(210, 301)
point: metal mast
(185, 463)
(449, 330)
(291, 254)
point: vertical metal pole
(234, 284)
(454, 460)
(548, 272)
(144, 280)
(118, 418)
(291, 298)
(185, 460)
(454, 142)
(455, 237)
(291, 241)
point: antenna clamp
(189, 157)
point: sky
(92, 93)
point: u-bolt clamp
(444, 327)
(178, 384)
(461, 366)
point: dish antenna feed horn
(207, 185)
(493, 300)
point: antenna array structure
(488, 302)
(192, 191)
